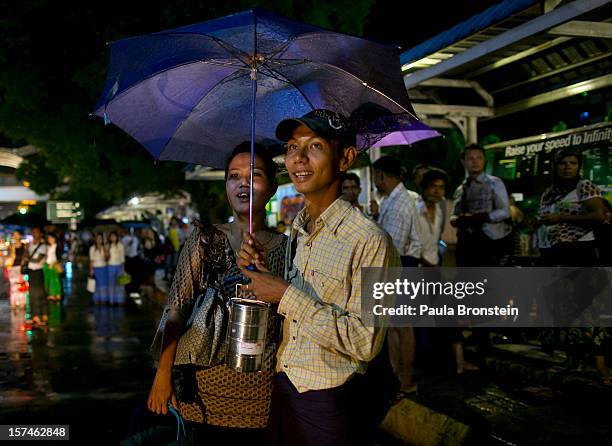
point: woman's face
(16, 237)
(50, 240)
(113, 238)
(568, 167)
(99, 239)
(237, 184)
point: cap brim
(285, 128)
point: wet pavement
(90, 368)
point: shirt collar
(331, 217)
(396, 191)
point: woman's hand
(162, 393)
(251, 253)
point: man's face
(379, 181)
(36, 233)
(314, 164)
(351, 190)
(474, 161)
(434, 191)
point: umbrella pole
(253, 98)
(253, 102)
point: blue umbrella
(193, 93)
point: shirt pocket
(329, 289)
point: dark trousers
(312, 418)
(38, 299)
(475, 248)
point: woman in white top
(99, 270)
(116, 264)
(51, 270)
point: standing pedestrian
(398, 218)
(17, 256)
(37, 255)
(52, 269)
(98, 269)
(481, 214)
(320, 395)
(116, 266)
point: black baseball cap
(325, 123)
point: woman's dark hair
(564, 153)
(263, 153)
(52, 234)
(390, 166)
(431, 175)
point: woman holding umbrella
(229, 402)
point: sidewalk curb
(417, 425)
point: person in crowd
(397, 214)
(570, 210)
(37, 256)
(320, 396)
(417, 176)
(431, 215)
(398, 218)
(481, 214)
(173, 243)
(52, 269)
(98, 269)
(233, 405)
(132, 259)
(116, 267)
(351, 188)
(16, 258)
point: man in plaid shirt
(319, 395)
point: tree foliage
(53, 56)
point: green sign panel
(64, 211)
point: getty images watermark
(490, 297)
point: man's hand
(264, 285)
(550, 219)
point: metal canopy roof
(513, 56)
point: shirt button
(293, 338)
(295, 321)
(285, 366)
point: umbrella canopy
(27, 220)
(192, 93)
(377, 126)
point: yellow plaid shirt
(325, 341)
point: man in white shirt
(398, 217)
(431, 215)
(130, 243)
(397, 211)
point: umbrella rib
(179, 125)
(231, 49)
(285, 79)
(331, 67)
